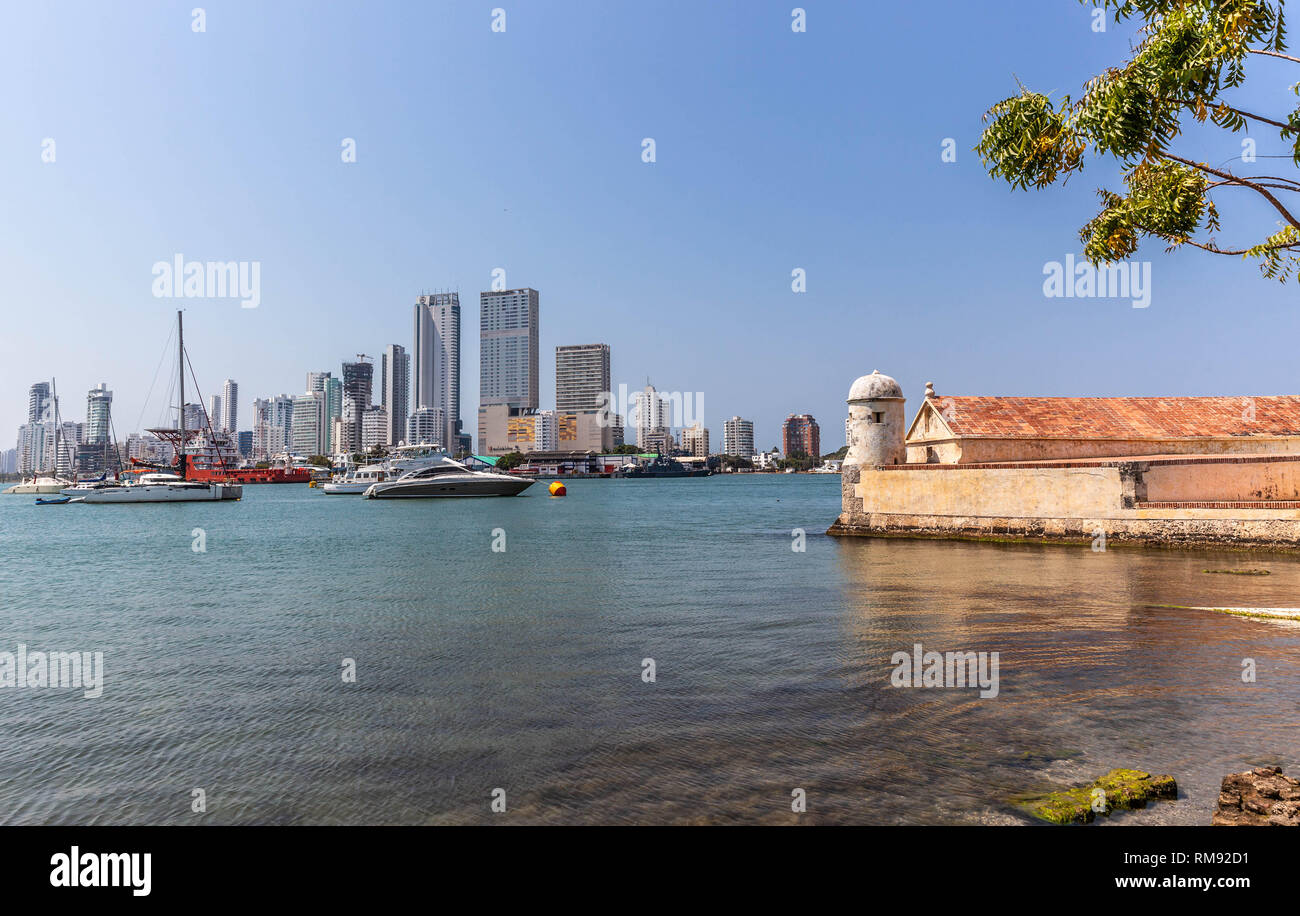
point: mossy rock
(1125, 790)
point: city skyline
(342, 415)
(936, 273)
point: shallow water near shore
(522, 669)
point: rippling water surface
(522, 669)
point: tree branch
(1233, 179)
(1260, 118)
(1290, 188)
(1213, 250)
(1295, 60)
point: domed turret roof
(875, 387)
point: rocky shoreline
(1259, 797)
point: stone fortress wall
(1179, 497)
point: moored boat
(448, 478)
(41, 484)
(167, 484)
(661, 467)
(164, 488)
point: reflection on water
(522, 670)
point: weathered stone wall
(973, 450)
(1227, 533)
(1074, 503)
(1025, 492)
(1277, 480)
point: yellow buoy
(557, 488)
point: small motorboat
(57, 501)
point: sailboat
(42, 482)
(168, 484)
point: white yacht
(446, 477)
(358, 480)
(82, 487)
(41, 483)
(404, 458)
(163, 488)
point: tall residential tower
(435, 363)
(394, 397)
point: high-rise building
(652, 417)
(331, 392)
(426, 425)
(395, 377)
(374, 429)
(801, 434)
(738, 437)
(30, 447)
(695, 441)
(31, 436)
(435, 361)
(272, 426)
(99, 415)
(39, 403)
(508, 348)
(244, 442)
(195, 419)
(214, 412)
(358, 393)
(582, 377)
(309, 424)
(229, 422)
(582, 385)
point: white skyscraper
(310, 436)
(214, 412)
(229, 407)
(652, 417)
(374, 429)
(425, 425)
(738, 437)
(99, 415)
(435, 361)
(272, 426)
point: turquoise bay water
(522, 669)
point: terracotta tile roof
(1120, 418)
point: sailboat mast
(54, 393)
(180, 369)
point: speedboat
(448, 478)
(164, 488)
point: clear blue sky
(522, 150)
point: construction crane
(363, 356)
